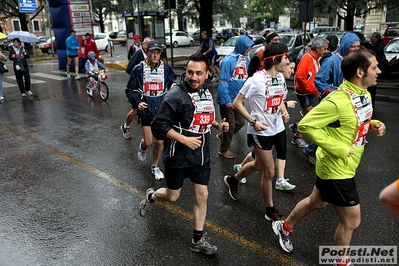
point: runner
(338, 125)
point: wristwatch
(252, 123)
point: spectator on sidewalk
(72, 52)
(89, 46)
(18, 55)
(135, 46)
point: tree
(101, 10)
(347, 9)
(10, 8)
(205, 10)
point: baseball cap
(154, 45)
(136, 36)
(72, 31)
(87, 34)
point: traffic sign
(27, 6)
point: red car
(47, 47)
(389, 34)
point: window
(222, 22)
(110, 26)
(36, 25)
(16, 25)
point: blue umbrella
(24, 36)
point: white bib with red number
(274, 91)
(364, 111)
(240, 70)
(153, 80)
(204, 112)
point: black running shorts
(198, 174)
(339, 192)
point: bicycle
(98, 84)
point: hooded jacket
(177, 113)
(229, 85)
(134, 90)
(330, 74)
(93, 65)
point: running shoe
(125, 132)
(203, 246)
(283, 236)
(282, 184)
(142, 153)
(29, 93)
(68, 75)
(236, 168)
(299, 142)
(233, 188)
(145, 203)
(77, 76)
(157, 173)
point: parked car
(48, 46)
(228, 46)
(227, 34)
(5, 44)
(294, 41)
(389, 34)
(359, 28)
(121, 37)
(113, 34)
(103, 41)
(321, 29)
(392, 54)
(43, 38)
(179, 38)
(197, 35)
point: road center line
(269, 253)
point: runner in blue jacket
(233, 74)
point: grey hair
(318, 42)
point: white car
(392, 54)
(179, 38)
(228, 46)
(103, 42)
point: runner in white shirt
(266, 92)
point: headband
(274, 56)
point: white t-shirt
(265, 95)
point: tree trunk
(350, 13)
(206, 21)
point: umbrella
(24, 36)
(267, 30)
(2, 36)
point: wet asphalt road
(70, 186)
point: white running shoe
(157, 173)
(282, 184)
(299, 142)
(283, 236)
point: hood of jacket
(242, 44)
(347, 40)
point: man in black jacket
(184, 122)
